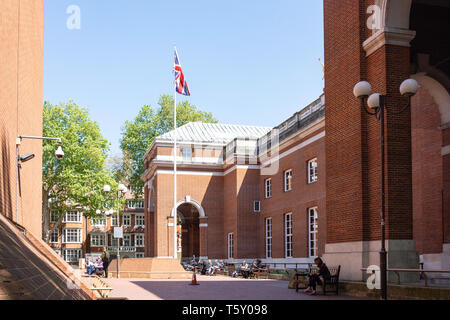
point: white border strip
(296, 148)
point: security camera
(26, 157)
(59, 154)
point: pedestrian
(105, 260)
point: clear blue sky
(246, 61)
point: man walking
(105, 260)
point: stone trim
(391, 36)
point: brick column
(353, 156)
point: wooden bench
(422, 272)
(333, 281)
(261, 272)
(101, 287)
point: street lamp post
(121, 189)
(377, 103)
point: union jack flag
(180, 83)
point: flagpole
(175, 249)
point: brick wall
(21, 64)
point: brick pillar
(353, 153)
(446, 185)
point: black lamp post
(377, 103)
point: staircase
(30, 269)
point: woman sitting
(315, 278)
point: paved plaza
(210, 288)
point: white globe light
(362, 89)
(409, 87)
(121, 187)
(107, 188)
(98, 212)
(374, 101)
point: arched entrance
(188, 231)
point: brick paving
(210, 288)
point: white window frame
(95, 221)
(140, 255)
(77, 255)
(268, 227)
(256, 206)
(126, 240)
(288, 180)
(77, 220)
(127, 220)
(186, 156)
(313, 232)
(288, 236)
(268, 188)
(95, 243)
(312, 171)
(138, 237)
(56, 231)
(114, 220)
(79, 235)
(230, 242)
(136, 224)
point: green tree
(77, 180)
(138, 135)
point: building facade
(243, 192)
(78, 236)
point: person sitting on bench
(314, 278)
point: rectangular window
(72, 217)
(288, 235)
(269, 238)
(312, 171)
(139, 255)
(127, 220)
(140, 220)
(187, 154)
(268, 188)
(313, 232)
(230, 245)
(114, 242)
(98, 240)
(54, 236)
(139, 240)
(72, 255)
(114, 220)
(126, 240)
(256, 206)
(287, 180)
(71, 235)
(53, 216)
(99, 221)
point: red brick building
(243, 192)
(78, 236)
(338, 215)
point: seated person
(214, 267)
(192, 265)
(256, 264)
(244, 269)
(315, 278)
(204, 267)
(99, 265)
(90, 267)
(221, 265)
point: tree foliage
(138, 135)
(77, 180)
